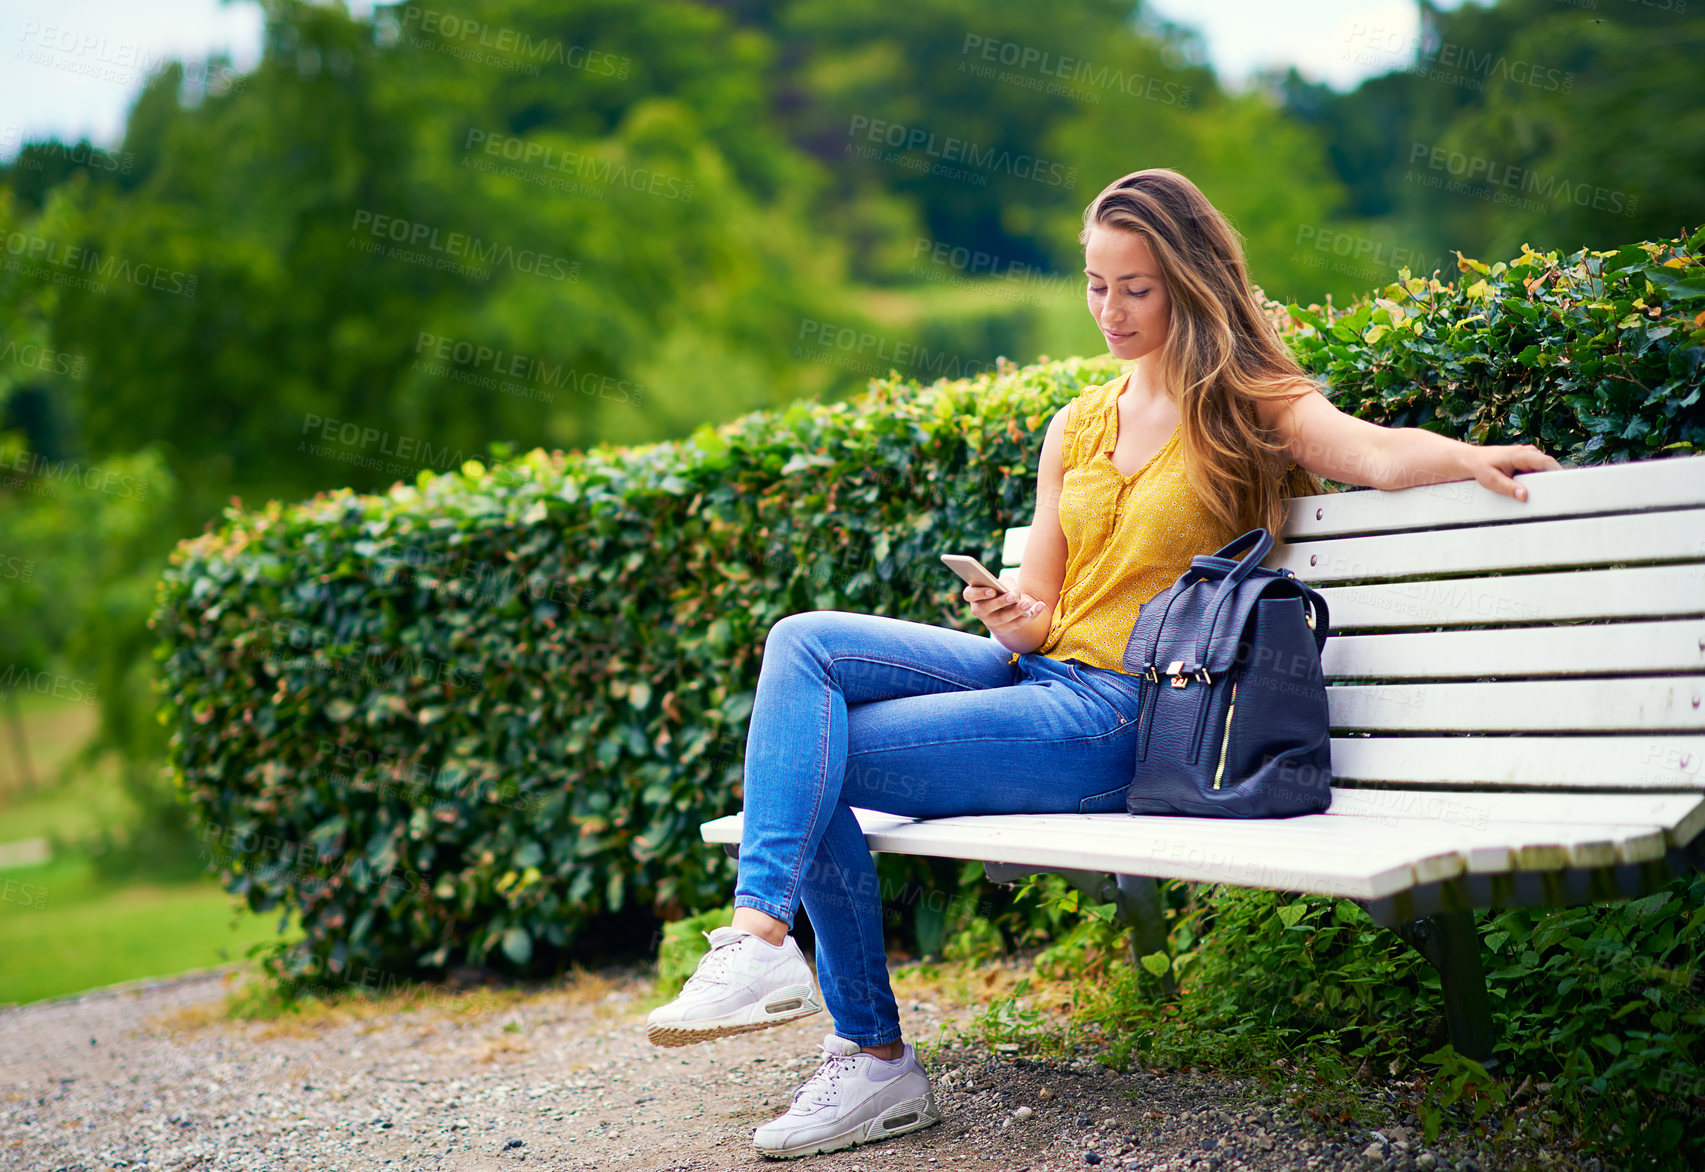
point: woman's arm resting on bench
(1341, 447)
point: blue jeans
(893, 715)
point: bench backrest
(1478, 641)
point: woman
(1198, 442)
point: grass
(79, 805)
(251, 998)
(1060, 318)
(64, 803)
(62, 930)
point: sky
(1339, 42)
(73, 67)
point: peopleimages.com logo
(524, 375)
(996, 276)
(78, 266)
(47, 683)
(1507, 183)
(508, 48)
(360, 443)
(1356, 255)
(46, 477)
(1446, 61)
(564, 170)
(865, 352)
(451, 249)
(1056, 73)
(34, 356)
(79, 154)
(98, 56)
(979, 161)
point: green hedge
(1595, 357)
(1600, 1011)
(472, 718)
(478, 719)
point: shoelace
(713, 969)
(819, 1089)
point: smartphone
(974, 572)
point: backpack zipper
(1225, 740)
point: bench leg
(1451, 945)
(1139, 906)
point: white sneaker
(854, 1098)
(743, 983)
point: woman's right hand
(1000, 612)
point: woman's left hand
(1494, 467)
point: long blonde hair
(1222, 354)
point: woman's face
(1127, 297)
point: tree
(379, 256)
(1522, 122)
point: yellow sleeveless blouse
(1127, 537)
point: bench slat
(1496, 848)
(1617, 837)
(1012, 547)
(1682, 816)
(1572, 492)
(1634, 763)
(1646, 591)
(1327, 855)
(1642, 847)
(1539, 651)
(1584, 541)
(1340, 855)
(1638, 592)
(1632, 703)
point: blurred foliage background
(406, 240)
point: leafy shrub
(478, 719)
(1602, 1007)
(1595, 357)
(481, 717)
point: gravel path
(151, 1075)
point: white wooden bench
(1518, 707)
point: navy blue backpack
(1233, 721)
